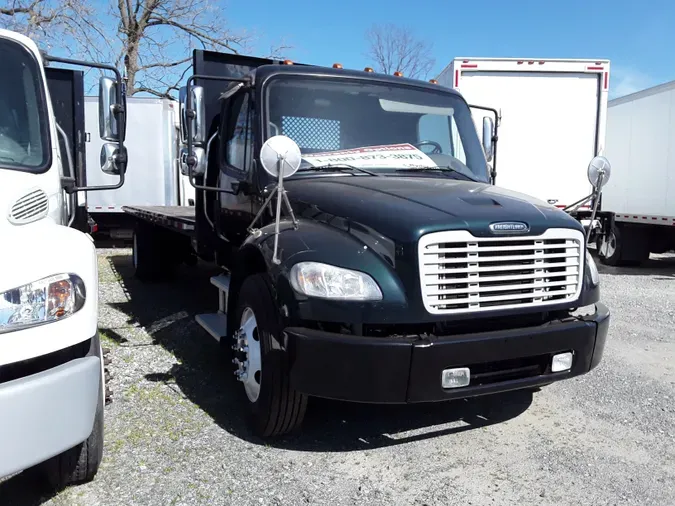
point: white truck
(52, 379)
(552, 121)
(641, 198)
(154, 178)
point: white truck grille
(461, 273)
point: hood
(404, 208)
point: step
(214, 323)
(222, 282)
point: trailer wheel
(262, 364)
(81, 463)
(609, 247)
(624, 246)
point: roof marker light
(287, 62)
(433, 81)
(398, 73)
(368, 69)
(337, 65)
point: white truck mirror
(108, 124)
(488, 134)
(599, 171)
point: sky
(637, 37)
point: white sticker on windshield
(391, 156)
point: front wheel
(262, 364)
(81, 463)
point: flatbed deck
(178, 218)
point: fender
(37, 251)
(315, 241)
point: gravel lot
(174, 434)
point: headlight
(595, 275)
(329, 282)
(42, 301)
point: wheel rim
(134, 252)
(608, 247)
(247, 351)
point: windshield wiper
(441, 168)
(337, 167)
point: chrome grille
(461, 273)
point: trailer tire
(624, 246)
(277, 409)
(609, 247)
(80, 463)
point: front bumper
(407, 370)
(46, 413)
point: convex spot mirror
(200, 156)
(109, 127)
(599, 171)
(110, 163)
(488, 134)
(280, 156)
(198, 121)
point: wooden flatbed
(178, 218)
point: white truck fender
(36, 251)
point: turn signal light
(337, 65)
(398, 73)
(368, 69)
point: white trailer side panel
(641, 149)
(552, 119)
(151, 141)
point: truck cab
(51, 371)
(383, 266)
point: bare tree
(49, 21)
(394, 48)
(151, 39)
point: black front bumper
(389, 370)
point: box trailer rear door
(552, 121)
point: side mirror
(199, 168)
(199, 119)
(109, 127)
(110, 160)
(488, 134)
(599, 171)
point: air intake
(31, 207)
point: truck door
(66, 88)
(236, 161)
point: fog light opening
(562, 362)
(455, 378)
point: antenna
(280, 157)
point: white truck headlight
(329, 282)
(43, 301)
(595, 275)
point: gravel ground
(175, 435)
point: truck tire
(609, 247)
(275, 408)
(81, 463)
(624, 246)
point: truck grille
(461, 273)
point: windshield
(375, 125)
(23, 130)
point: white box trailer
(641, 194)
(153, 177)
(553, 115)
